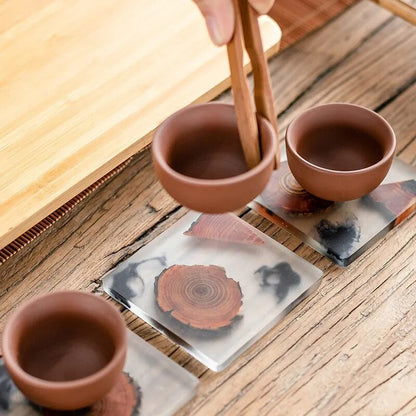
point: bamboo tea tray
(83, 85)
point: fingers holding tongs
(247, 26)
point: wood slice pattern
(202, 297)
(123, 400)
(284, 192)
(224, 227)
(398, 198)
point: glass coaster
(151, 384)
(213, 284)
(341, 231)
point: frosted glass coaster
(213, 284)
(151, 384)
(341, 231)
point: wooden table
(350, 348)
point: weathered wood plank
(257, 392)
(406, 9)
(296, 19)
(330, 46)
(371, 75)
(350, 346)
(401, 116)
(315, 373)
(296, 68)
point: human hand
(219, 17)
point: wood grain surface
(83, 83)
(315, 13)
(348, 349)
(298, 17)
(406, 9)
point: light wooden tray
(82, 86)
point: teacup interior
(202, 142)
(340, 147)
(64, 348)
(210, 153)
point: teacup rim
(387, 156)
(189, 180)
(10, 359)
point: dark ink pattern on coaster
(339, 237)
(130, 276)
(343, 230)
(281, 277)
(211, 302)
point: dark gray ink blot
(281, 276)
(139, 396)
(410, 186)
(130, 274)
(6, 388)
(338, 238)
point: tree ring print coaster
(201, 283)
(151, 384)
(284, 193)
(341, 231)
(202, 297)
(123, 400)
(226, 227)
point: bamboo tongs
(246, 23)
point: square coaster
(341, 231)
(213, 284)
(151, 384)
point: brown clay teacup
(199, 160)
(340, 152)
(65, 350)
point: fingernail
(215, 31)
(262, 6)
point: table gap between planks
(350, 347)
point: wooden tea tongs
(246, 23)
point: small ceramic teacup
(65, 350)
(199, 160)
(339, 151)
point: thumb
(219, 18)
